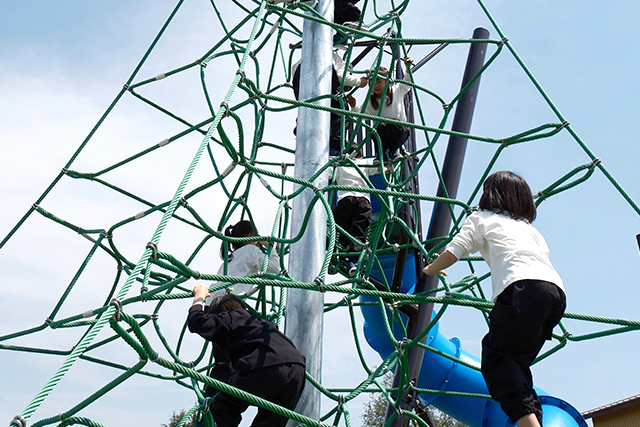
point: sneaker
(351, 269)
(395, 156)
(356, 25)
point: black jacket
(248, 342)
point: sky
(63, 63)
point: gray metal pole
(304, 315)
(441, 217)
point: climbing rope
(233, 145)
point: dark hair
(507, 192)
(241, 229)
(375, 99)
(226, 302)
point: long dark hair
(508, 193)
(375, 99)
(241, 229)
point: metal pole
(304, 315)
(441, 217)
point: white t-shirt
(246, 260)
(396, 109)
(349, 176)
(514, 249)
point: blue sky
(62, 63)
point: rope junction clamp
(226, 108)
(318, 280)
(595, 163)
(118, 305)
(154, 250)
(18, 420)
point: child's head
(241, 229)
(507, 192)
(377, 89)
(225, 302)
(378, 84)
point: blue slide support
(440, 373)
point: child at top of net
(528, 293)
(244, 258)
(387, 100)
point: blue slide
(439, 373)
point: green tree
(376, 408)
(177, 416)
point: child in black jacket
(263, 361)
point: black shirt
(248, 342)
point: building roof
(611, 407)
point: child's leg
(345, 11)
(360, 220)
(335, 132)
(522, 319)
(285, 384)
(342, 213)
(392, 136)
(227, 410)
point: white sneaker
(356, 25)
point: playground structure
(235, 152)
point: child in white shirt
(528, 293)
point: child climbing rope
(353, 210)
(244, 258)
(528, 293)
(340, 70)
(387, 100)
(264, 362)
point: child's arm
(200, 293)
(446, 259)
(341, 68)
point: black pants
(353, 214)
(522, 319)
(280, 384)
(392, 136)
(345, 11)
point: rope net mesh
(245, 171)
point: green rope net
(243, 169)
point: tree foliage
(376, 408)
(177, 416)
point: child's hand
(430, 271)
(363, 81)
(408, 61)
(200, 292)
(352, 101)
